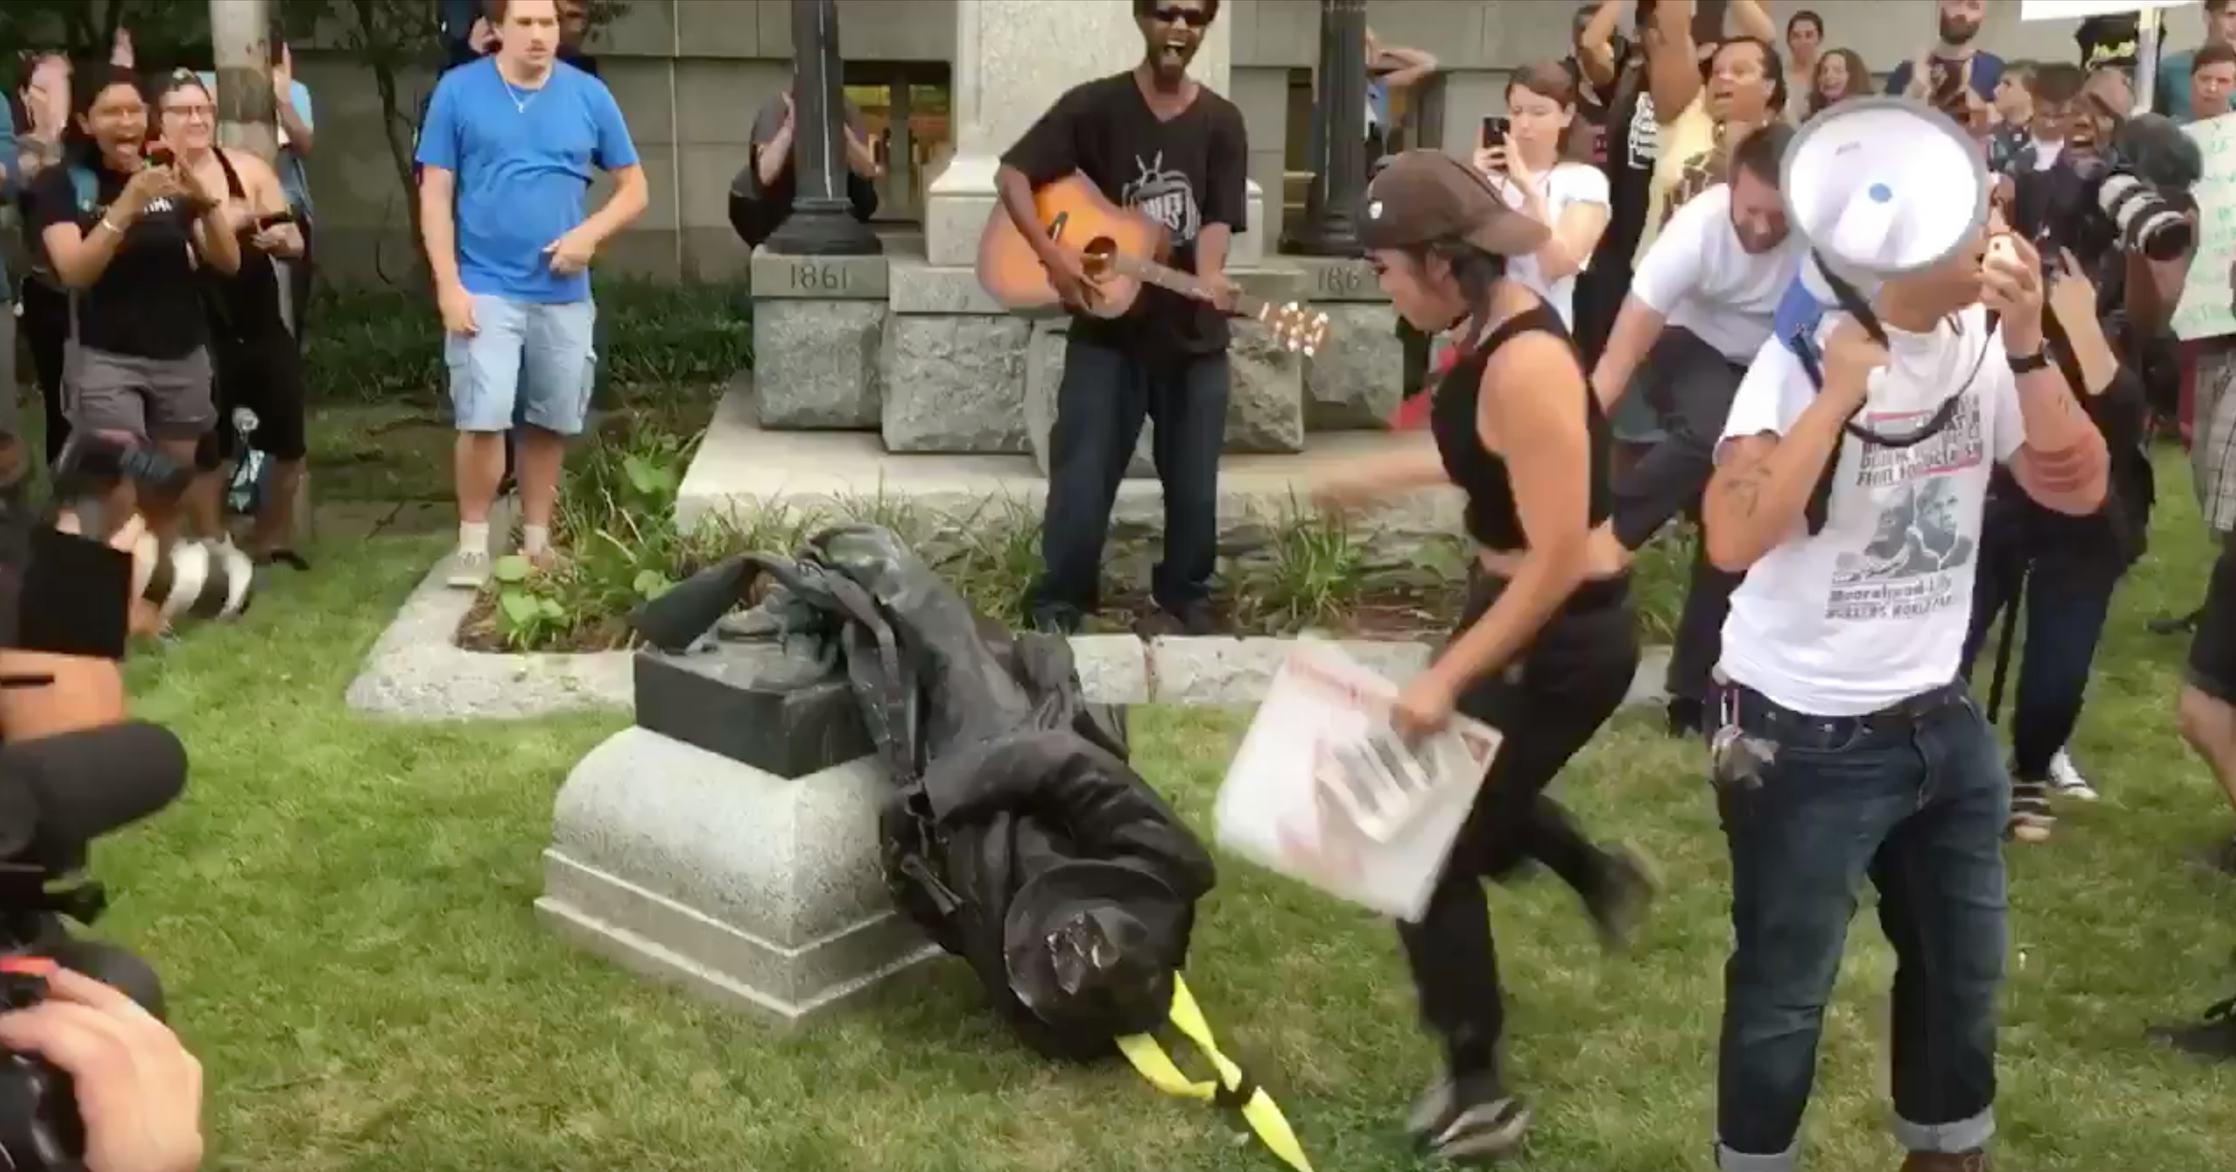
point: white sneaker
(469, 569)
(2067, 782)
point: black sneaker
(1468, 1118)
(2221, 857)
(1057, 619)
(2214, 1037)
(1687, 718)
(2031, 819)
(1618, 908)
(1194, 618)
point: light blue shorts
(527, 362)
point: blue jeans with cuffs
(1918, 804)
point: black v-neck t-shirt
(1183, 172)
(148, 303)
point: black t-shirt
(1183, 173)
(148, 302)
(1633, 143)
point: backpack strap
(1798, 316)
(1232, 1088)
(85, 188)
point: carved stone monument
(728, 841)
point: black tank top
(249, 300)
(1480, 473)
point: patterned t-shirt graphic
(1908, 567)
(1163, 196)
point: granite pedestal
(728, 842)
(818, 339)
(1353, 382)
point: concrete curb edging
(416, 670)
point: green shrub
(385, 345)
(615, 521)
(1312, 576)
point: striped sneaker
(2031, 819)
(1467, 1119)
(2067, 782)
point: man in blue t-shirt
(506, 156)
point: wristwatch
(2025, 364)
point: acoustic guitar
(1121, 250)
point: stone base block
(741, 468)
(1356, 381)
(1044, 372)
(818, 362)
(721, 700)
(954, 383)
(740, 886)
(1265, 394)
(1238, 671)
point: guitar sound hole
(1097, 255)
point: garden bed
(1301, 572)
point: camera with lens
(65, 595)
(2132, 196)
(198, 579)
(57, 794)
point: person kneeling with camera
(1845, 744)
(137, 1090)
(90, 1078)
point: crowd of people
(166, 283)
(1846, 578)
(1628, 329)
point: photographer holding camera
(80, 1028)
(138, 1091)
(2109, 206)
(71, 769)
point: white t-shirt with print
(1873, 609)
(1564, 186)
(1698, 276)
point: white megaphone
(1880, 187)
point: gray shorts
(145, 398)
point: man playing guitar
(1156, 141)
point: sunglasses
(1192, 17)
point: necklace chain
(518, 103)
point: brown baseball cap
(1425, 195)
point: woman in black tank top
(1544, 651)
(256, 359)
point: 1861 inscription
(824, 277)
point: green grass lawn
(342, 910)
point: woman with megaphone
(1850, 491)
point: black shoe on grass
(2212, 1037)
(1468, 1118)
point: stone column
(1339, 134)
(900, 163)
(1006, 77)
(822, 221)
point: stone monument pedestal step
(743, 886)
(742, 467)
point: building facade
(690, 74)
